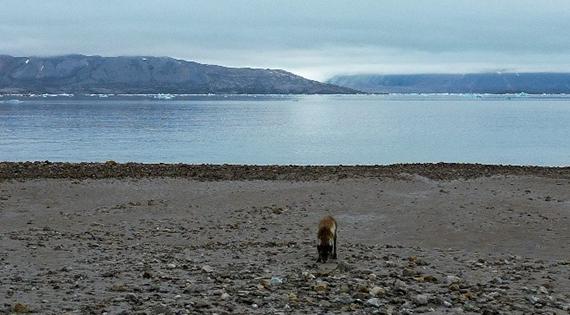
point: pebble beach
(112, 238)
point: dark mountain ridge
(131, 75)
(496, 83)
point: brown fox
(326, 239)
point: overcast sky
(313, 38)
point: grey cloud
(317, 38)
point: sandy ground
(492, 245)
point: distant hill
(96, 74)
(497, 83)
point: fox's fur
(326, 239)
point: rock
(276, 281)
(119, 287)
(343, 266)
(423, 310)
(201, 303)
(532, 299)
(421, 299)
(498, 280)
(374, 302)
(225, 296)
(470, 307)
(108, 274)
(378, 291)
(446, 304)
(308, 276)
(131, 297)
(526, 289)
(407, 305)
(390, 264)
(361, 296)
(400, 285)
(363, 287)
(321, 286)
(292, 297)
(265, 284)
(387, 310)
(277, 210)
(344, 298)
(17, 279)
(161, 310)
(492, 295)
(326, 268)
(452, 279)
(171, 266)
(427, 278)
(409, 272)
(21, 308)
(543, 290)
(207, 269)
(344, 288)
(466, 296)
(519, 307)
(66, 269)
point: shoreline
(182, 95)
(203, 239)
(216, 172)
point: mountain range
(131, 75)
(496, 83)
(80, 74)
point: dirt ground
(407, 244)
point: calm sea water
(289, 130)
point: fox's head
(325, 251)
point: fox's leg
(334, 250)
